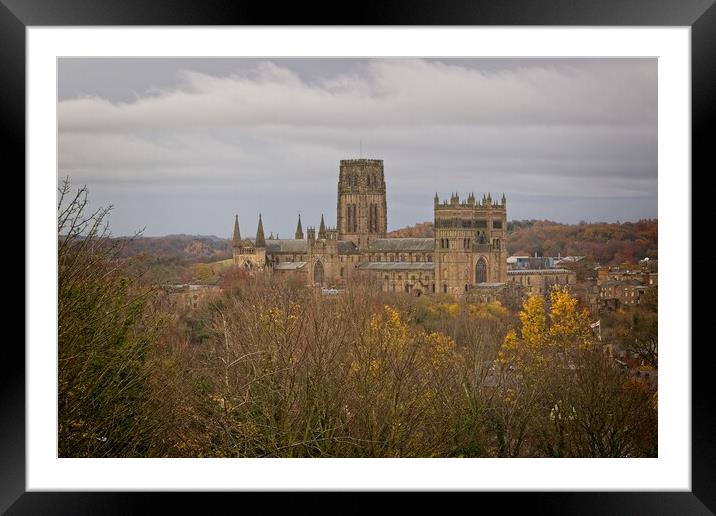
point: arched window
(481, 271)
(318, 273)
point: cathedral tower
(362, 213)
(470, 238)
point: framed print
(375, 314)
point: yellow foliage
(439, 347)
(509, 349)
(444, 309)
(568, 326)
(543, 334)
(491, 310)
(534, 322)
(387, 330)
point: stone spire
(237, 233)
(504, 200)
(299, 229)
(322, 228)
(260, 239)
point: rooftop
(275, 245)
(402, 244)
(396, 266)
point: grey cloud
(275, 130)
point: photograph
(357, 257)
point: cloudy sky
(181, 145)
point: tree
(637, 328)
(559, 395)
(105, 330)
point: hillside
(606, 243)
(180, 248)
(419, 230)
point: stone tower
(362, 212)
(470, 239)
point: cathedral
(467, 251)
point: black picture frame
(700, 15)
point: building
(624, 285)
(541, 262)
(539, 281)
(467, 249)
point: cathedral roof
(294, 246)
(286, 245)
(346, 247)
(397, 266)
(403, 244)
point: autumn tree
(105, 330)
(559, 395)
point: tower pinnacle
(237, 233)
(299, 229)
(260, 239)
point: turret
(237, 233)
(299, 229)
(322, 229)
(260, 239)
(311, 234)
